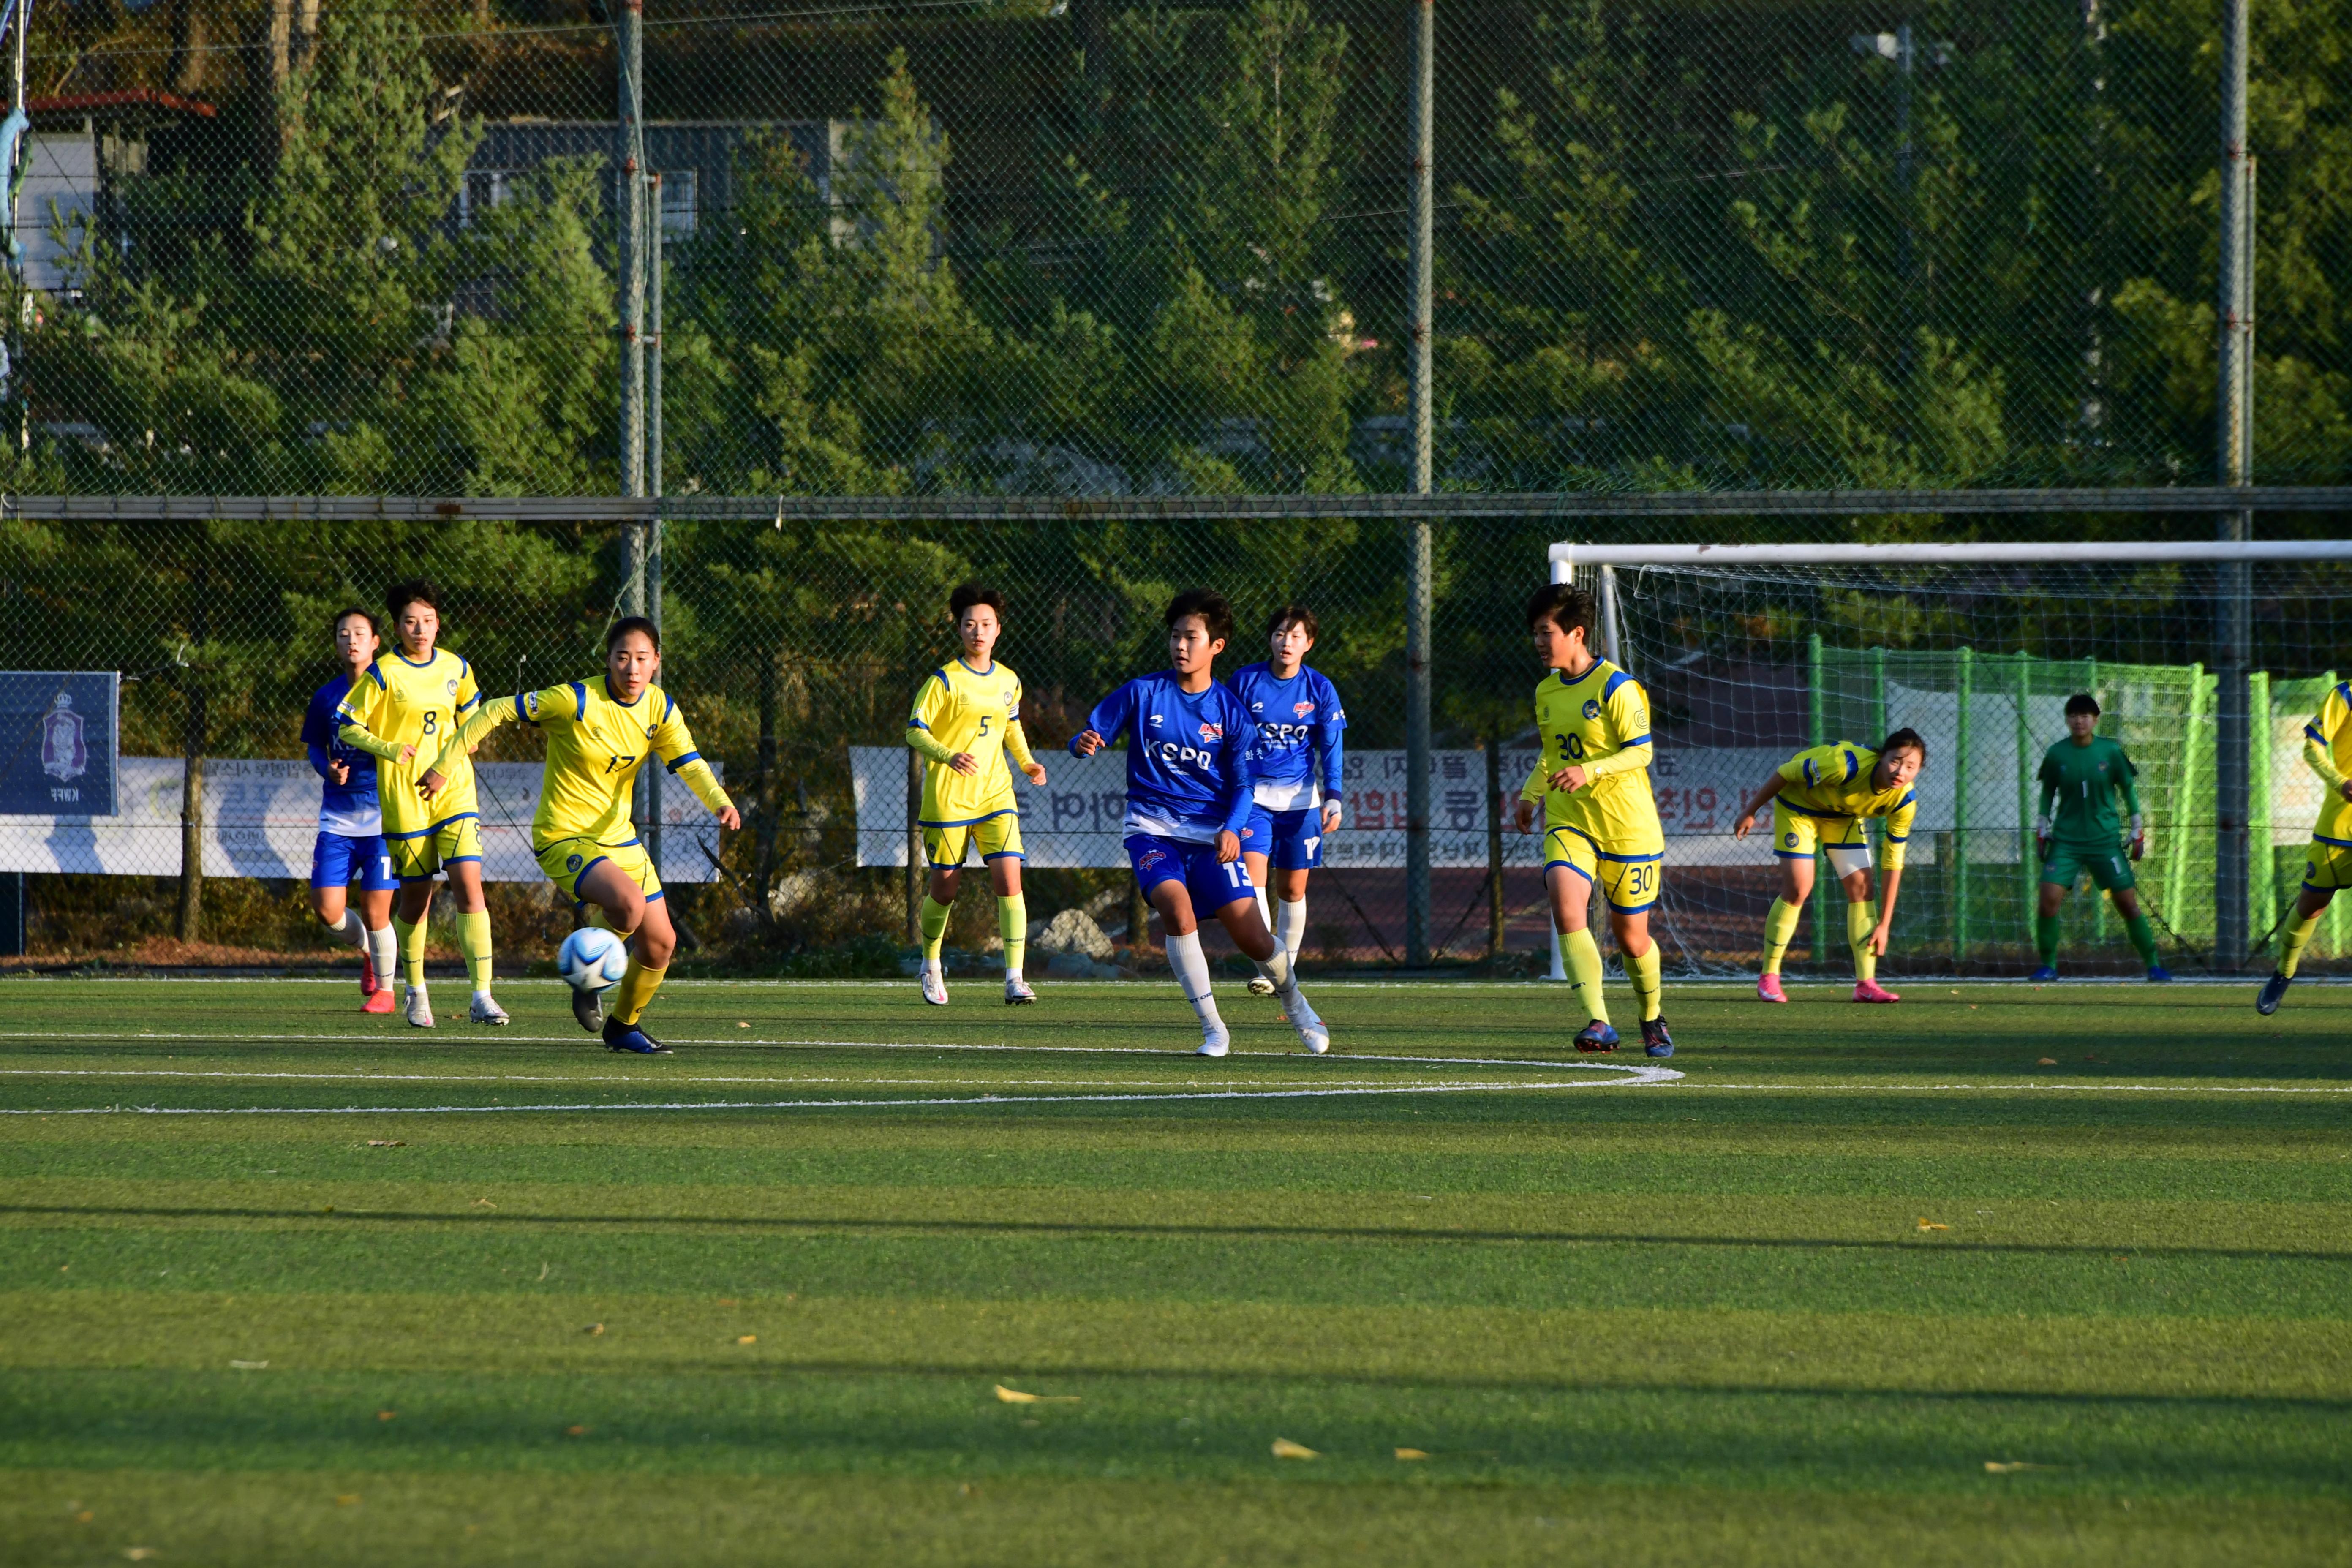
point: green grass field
(1870, 1285)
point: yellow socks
(636, 992)
(1861, 920)
(474, 941)
(935, 929)
(2298, 934)
(412, 949)
(1643, 971)
(1780, 931)
(1013, 925)
(1582, 956)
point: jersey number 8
(432, 721)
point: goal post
(2205, 656)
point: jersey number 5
(984, 719)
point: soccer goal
(2205, 660)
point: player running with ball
(1823, 796)
(1188, 798)
(1298, 766)
(966, 720)
(2328, 751)
(1601, 819)
(2080, 777)
(599, 733)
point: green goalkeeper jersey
(2083, 782)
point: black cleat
(1654, 1038)
(2274, 993)
(620, 1036)
(588, 1007)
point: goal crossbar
(1567, 555)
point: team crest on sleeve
(1592, 708)
(1792, 841)
(531, 702)
(572, 862)
(452, 688)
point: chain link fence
(1084, 250)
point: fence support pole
(2232, 727)
(1965, 685)
(1817, 734)
(1418, 543)
(628, 218)
(652, 772)
(2261, 866)
(1497, 911)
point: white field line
(1622, 1073)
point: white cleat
(1018, 993)
(935, 988)
(1214, 1042)
(483, 1010)
(420, 1008)
(1260, 986)
(1312, 1033)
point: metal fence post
(628, 218)
(2233, 728)
(1418, 543)
(1964, 688)
(653, 591)
(1497, 911)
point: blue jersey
(1187, 767)
(350, 809)
(1297, 721)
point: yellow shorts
(2328, 864)
(566, 860)
(1796, 834)
(1630, 882)
(998, 836)
(415, 856)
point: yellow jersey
(2328, 747)
(595, 746)
(1834, 780)
(402, 701)
(1599, 721)
(959, 709)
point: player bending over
(2082, 774)
(1601, 820)
(1297, 765)
(351, 824)
(2328, 864)
(599, 733)
(403, 713)
(1823, 796)
(1188, 799)
(967, 720)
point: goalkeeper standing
(2080, 777)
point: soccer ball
(592, 958)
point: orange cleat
(378, 1002)
(1872, 991)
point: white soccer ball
(592, 958)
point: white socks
(1276, 970)
(1192, 967)
(1265, 915)
(1290, 926)
(383, 951)
(351, 928)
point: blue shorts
(339, 859)
(1290, 841)
(1211, 885)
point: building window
(679, 197)
(483, 190)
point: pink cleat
(1768, 989)
(1872, 991)
(378, 1002)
